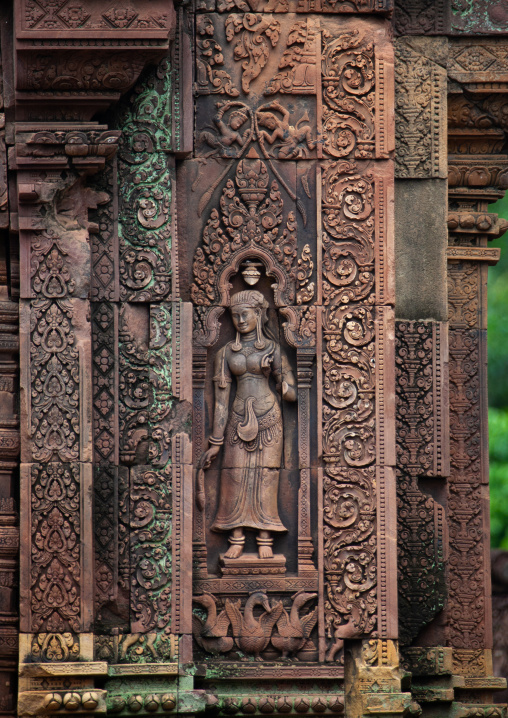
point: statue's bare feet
(265, 542)
(237, 541)
(234, 551)
(265, 552)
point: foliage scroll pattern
(145, 186)
(348, 94)
(348, 401)
(144, 415)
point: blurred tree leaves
(498, 388)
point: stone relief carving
(279, 626)
(255, 33)
(252, 431)
(421, 452)
(419, 122)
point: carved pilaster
(477, 176)
(56, 446)
(9, 500)
(373, 680)
(422, 452)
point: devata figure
(252, 431)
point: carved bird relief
(293, 629)
(253, 635)
(211, 634)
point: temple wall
(243, 402)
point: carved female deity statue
(252, 431)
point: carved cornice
(74, 59)
(57, 146)
(465, 222)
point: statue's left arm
(284, 376)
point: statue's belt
(249, 425)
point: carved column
(56, 447)
(9, 444)
(9, 495)
(422, 346)
(477, 176)
(71, 62)
(142, 404)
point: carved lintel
(83, 146)
(479, 64)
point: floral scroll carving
(348, 94)
(54, 355)
(150, 523)
(56, 535)
(145, 171)
(211, 79)
(251, 213)
(349, 431)
(256, 32)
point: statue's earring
(260, 342)
(237, 344)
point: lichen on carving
(145, 188)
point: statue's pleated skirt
(249, 484)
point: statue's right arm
(222, 382)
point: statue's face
(236, 122)
(244, 318)
(269, 121)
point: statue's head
(237, 119)
(249, 313)
(268, 119)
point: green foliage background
(498, 388)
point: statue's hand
(208, 457)
(285, 388)
(266, 363)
